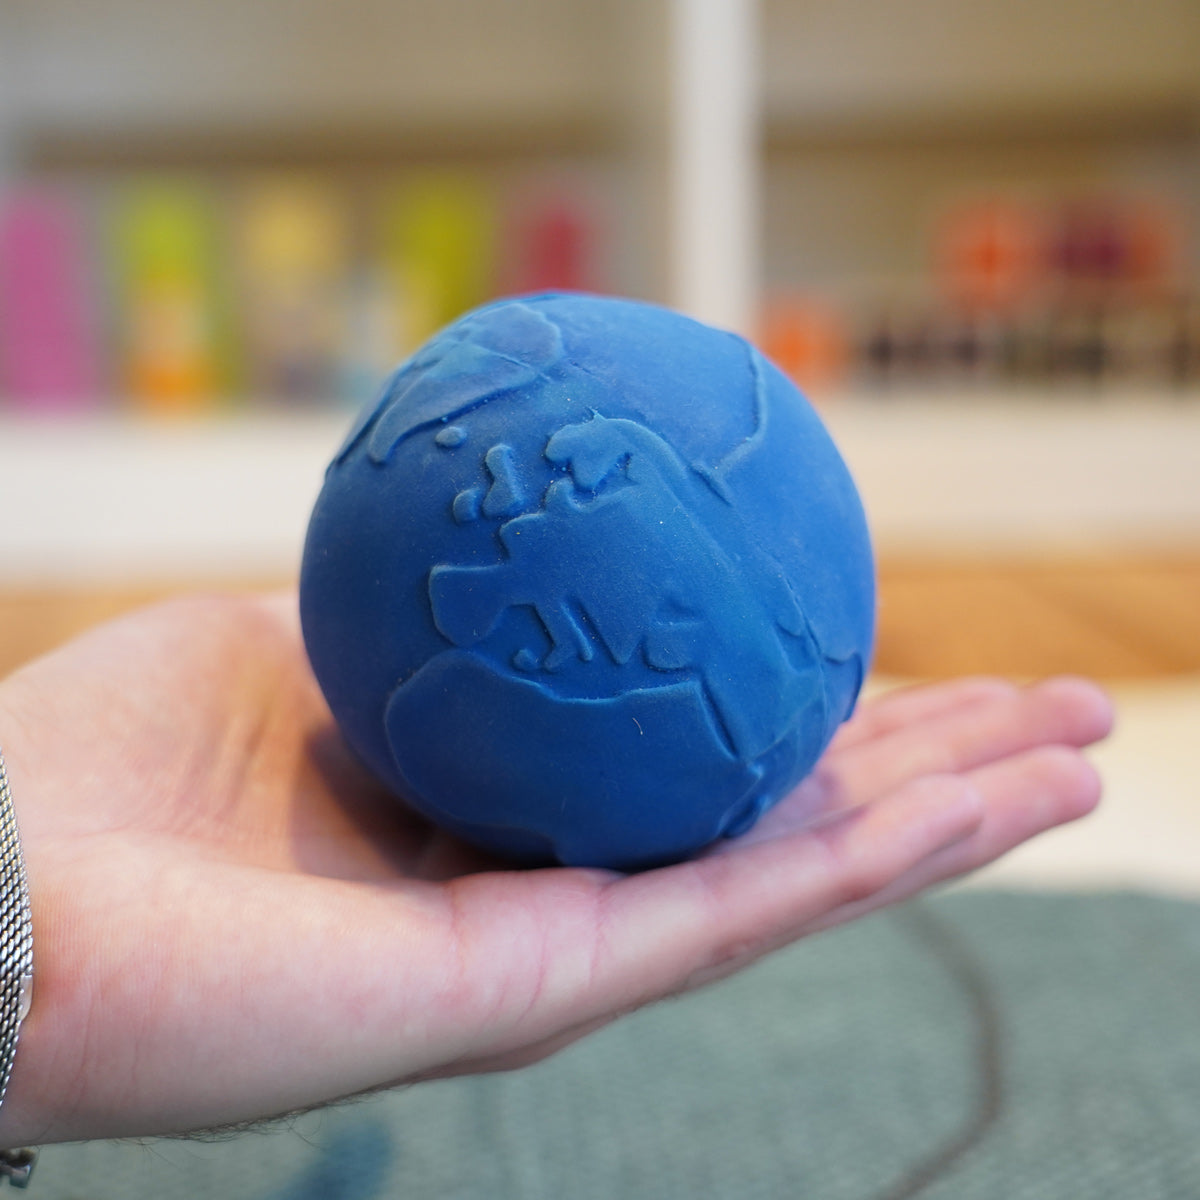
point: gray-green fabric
(978, 1045)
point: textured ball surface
(589, 583)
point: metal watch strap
(16, 964)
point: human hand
(232, 920)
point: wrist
(16, 959)
(16, 945)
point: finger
(1065, 711)
(584, 947)
(666, 928)
(993, 723)
(1023, 797)
(905, 707)
(658, 935)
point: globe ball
(589, 583)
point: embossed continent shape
(589, 583)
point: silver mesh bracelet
(16, 966)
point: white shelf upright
(714, 161)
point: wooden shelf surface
(1111, 618)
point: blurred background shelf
(867, 119)
(131, 499)
(967, 476)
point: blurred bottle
(1080, 348)
(1088, 252)
(49, 354)
(1183, 346)
(808, 340)
(438, 249)
(551, 241)
(1027, 346)
(1155, 237)
(171, 313)
(880, 350)
(1139, 334)
(974, 348)
(988, 254)
(294, 272)
(374, 345)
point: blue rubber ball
(589, 583)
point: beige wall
(947, 60)
(105, 62)
(136, 63)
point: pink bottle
(48, 352)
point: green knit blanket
(977, 1045)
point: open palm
(232, 920)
